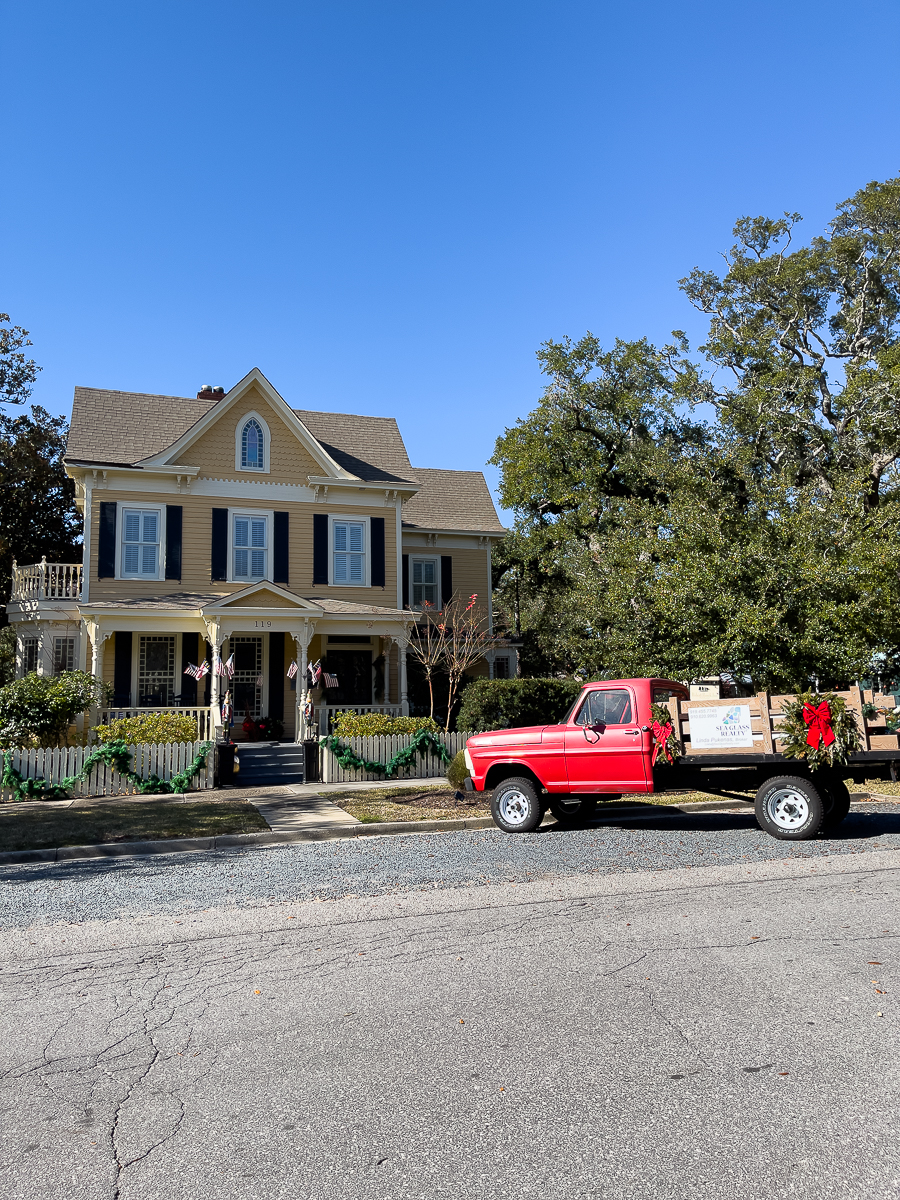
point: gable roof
(125, 428)
(451, 500)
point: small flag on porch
(331, 681)
(292, 670)
(226, 668)
(197, 672)
(259, 681)
(315, 670)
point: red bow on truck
(661, 735)
(819, 721)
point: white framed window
(349, 551)
(250, 534)
(425, 582)
(63, 654)
(140, 541)
(31, 647)
(251, 443)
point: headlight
(468, 758)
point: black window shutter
(320, 548)
(207, 679)
(173, 541)
(276, 674)
(446, 578)
(280, 552)
(406, 581)
(377, 525)
(219, 561)
(188, 655)
(122, 670)
(106, 543)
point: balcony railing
(46, 581)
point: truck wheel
(573, 810)
(516, 806)
(790, 808)
(837, 804)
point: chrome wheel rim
(514, 807)
(787, 808)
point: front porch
(257, 646)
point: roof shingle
(451, 500)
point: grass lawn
(36, 829)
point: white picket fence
(54, 765)
(382, 749)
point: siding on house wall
(470, 567)
(214, 452)
(197, 540)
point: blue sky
(387, 206)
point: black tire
(573, 810)
(516, 806)
(790, 808)
(837, 803)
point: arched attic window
(252, 446)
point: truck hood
(529, 735)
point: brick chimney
(208, 392)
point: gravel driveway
(88, 890)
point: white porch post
(301, 643)
(98, 637)
(402, 643)
(215, 640)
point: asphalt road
(669, 1030)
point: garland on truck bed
(820, 728)
(666, 746)
(115, 755)
(349, 760)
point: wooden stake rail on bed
(765, 721)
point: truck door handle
(633, 732)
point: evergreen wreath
(115, 755)
(421, 743)
(806, 722)
(667, 747)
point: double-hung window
(63, 655)
(424, 583)
(140, 543)
(349, 552)
(30, 651)
(251, 547)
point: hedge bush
(38, 710)
(504, 703)
(152, 729)
(458, 772)
(350, 724)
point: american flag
(292, 670)
(197, 672)
(226, 668)
(259, 681)
(331, 680)
(315, 670)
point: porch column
(214, 637)
(402, 643)
(98, 637)
(301, 644)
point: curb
(325, 833)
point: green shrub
(350, 724)
(152, 729)
(458, 772)
(38, 710)
(505, 703)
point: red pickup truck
(605, 747)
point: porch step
(263, 765)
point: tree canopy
(734, 511)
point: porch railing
(47, 581)
(326, 713)
(202, 716)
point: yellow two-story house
(230, 528)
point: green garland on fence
(421, 743)
(115, 755)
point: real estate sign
(719, 727)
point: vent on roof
(208, 392)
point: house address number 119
(262, 624)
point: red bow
(661, 735)
(819, 722)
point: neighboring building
(231, 525)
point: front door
(605, 745)
(247, 682)
(353, 669)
